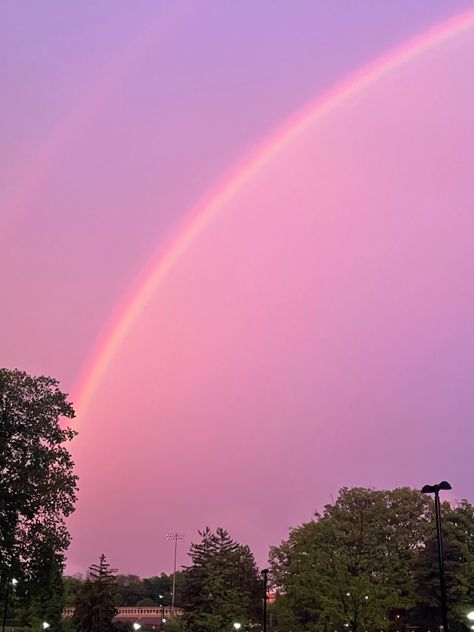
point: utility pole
(174, 536)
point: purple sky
(318, 333)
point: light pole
(435, 489)
(265, 584)
(13, 582)
(174, 536)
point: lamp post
(435, 489)
(265, 584)
(13, 582)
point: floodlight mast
(174, 536)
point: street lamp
(45, 625)
(470, 615)
(136, 626)
(237, 626)
(435, 489)
(265, 593)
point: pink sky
(316, 334)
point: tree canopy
(37, 487)
(369, 560)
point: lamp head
(444, 485)
(435, 489)
(428, 489)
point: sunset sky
(240, 236)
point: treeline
(132, 590)
(367, 562)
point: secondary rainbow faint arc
(208, 208)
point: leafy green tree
(156, 586)
(44, 596)
(95, 603)
(146, 602)
(72, 586)
(222, 584)
(129, 590)
(37, 487)
(353, 566)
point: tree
(158, 588)
(72, 586)
(222, 584)
(43, 598)
(129, 590)
(146, 602)
(353, 566)
(95, 603)
(37, 483)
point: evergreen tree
(222, 584)
(95, 603)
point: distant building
(146, 615)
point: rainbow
(98, 95)
(164, 261)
